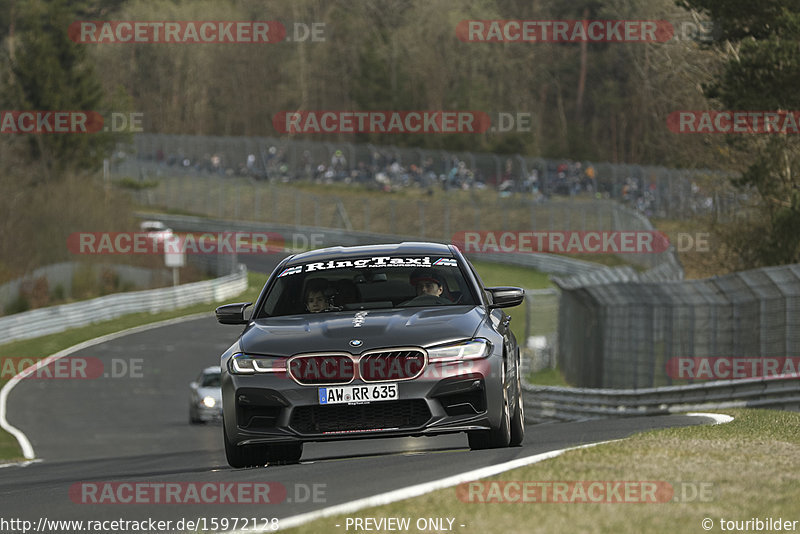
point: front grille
(322, 369)
(391, 365)
(360, 417)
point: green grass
(9, 448)
(737, 471)
(495, 274)
(548, 377)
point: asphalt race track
(135, 429)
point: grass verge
(749, 468)
(547, 377)
(699, 248)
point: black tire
(496, 437)
(240, 456)
(283, 453)
(193, 419)
(518, 417)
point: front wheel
(518, 417)
(193, 418)
(239, 456)
(283, 453)
(496, 437)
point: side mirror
(232, 313)
(506, 297)
(193, 385)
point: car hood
(333, 331)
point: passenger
(315, 298)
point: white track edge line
(421, 489)
(718, 418)
(22, 439)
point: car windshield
(210, 380)
(367, 283)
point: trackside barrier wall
(62, 274)
(54, 319)
(622, 334)
(548, 403)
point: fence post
(256, 203)
(171, 197)
(236, 200)
(273, 208)
(221, 198)
(447, 234)
(209, 202)
(422, 219)
(533, 215)
(528, 317)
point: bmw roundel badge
(356, 342)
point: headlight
(209, 402)
(243, 364)
(465, 350)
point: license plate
(365, 393)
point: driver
(429, 285)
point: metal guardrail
(550, 403)
(54, 319)
(548, 263)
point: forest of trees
(596, 101)
(599, 101)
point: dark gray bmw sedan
(366, 342)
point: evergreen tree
(762, 73)
(51, 72)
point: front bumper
(446, 398)
(204, 413)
